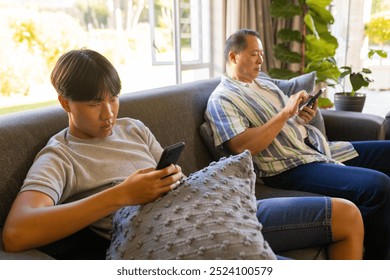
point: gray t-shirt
(70, 168)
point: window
(187, 37)
(151, 43)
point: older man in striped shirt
(246, 112)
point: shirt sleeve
(49, 174)
(154, 146)
(225, 118)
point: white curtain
(231, 15)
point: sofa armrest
(386, 125)
(352, 126)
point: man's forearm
(257, 139)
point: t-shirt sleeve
(154, 146)
(49, 174)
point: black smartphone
(312, 99)
(170, 155)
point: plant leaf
(319, 3)
(288, 35)
(366, 70)
(317, 49)
(326, 70)
(309, 21)
(278, 73)
(286, 55)
(347, 71)
(357, 81)
(284, 9)
(324, 103)
(319, 11)
(381, 53)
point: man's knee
(375, 189)
(346, 217)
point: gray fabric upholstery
(207, 135)
(28, 255)
(173, 114)
(352, 126)
(386, 125)
(22, 136)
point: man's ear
(64, 103)
(232, 57)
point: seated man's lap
(365, 187)
(372, 154)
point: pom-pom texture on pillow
(211, 215)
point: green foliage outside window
(378, 30)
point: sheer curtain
(236, 14)
(232, 15)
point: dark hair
(85, 75)
(237, 41)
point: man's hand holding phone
(307, 110)
(170, 156)
(311, 100)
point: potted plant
(353, 100)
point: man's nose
(261, 58)
(106, 112)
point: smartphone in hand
(312, 99)
(170, 155)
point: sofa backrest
(22, 136)
(173, 114)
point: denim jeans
(295, 222)
(363, 180)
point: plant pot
(345, 102)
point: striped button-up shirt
(234, 107)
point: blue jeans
(295, 222)
(364, 181)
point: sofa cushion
(211, 215)
(32, 254)
(207, 136)
(289, 87)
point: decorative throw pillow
(293, 85)
(211, 215)
(303, 82)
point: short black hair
(237, 41)
(85, 75)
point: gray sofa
(174, 114)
